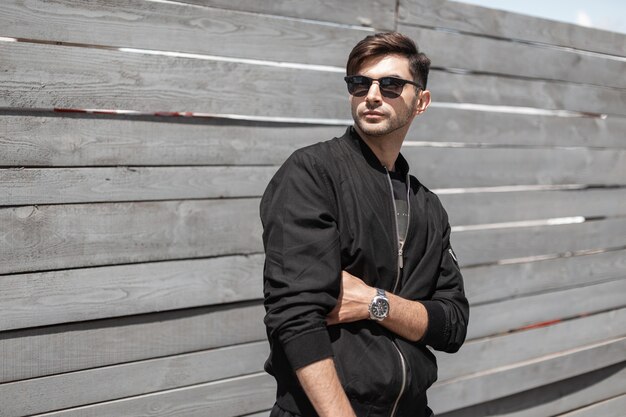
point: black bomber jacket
(330, 208)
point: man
(359, 272)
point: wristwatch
(379, 307)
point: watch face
(380, 308)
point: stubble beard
(387, 125)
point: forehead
(387, 65)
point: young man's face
(378, 116)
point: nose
(373, 94)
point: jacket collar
(359, 145)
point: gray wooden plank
(51, 350)
(73, 389)
(475, 208)
(474, 389)
(503, 24)
(477, 53)
(485, 284)
(536, 310)
(481, 355)
(101, 141)
(612, 407)
(264, 413)
(45, 298)
(180, 27)
(88, 185)
(555, 398)
(69, 236)
(476, 247)
(227, 398)
(47, 76)
(375, 13)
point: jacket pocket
(422, 366)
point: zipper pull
(400, 260)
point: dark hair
(386, 43)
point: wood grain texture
(503, 24)
(552, 399)
(480, 54)
(375, 13)
(67, 236)
(47, 76)
(474, 389)
(45, 298)
(228, 398)
(179, 28)
(89, 185)
(501, 317)
(612, 407)
(487, 246)
(481, 355)
(500, 282)
(69, 347)
(74, 389)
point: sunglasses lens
(358, 86)
(391, 87)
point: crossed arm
(319, 380)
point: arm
(321, 384)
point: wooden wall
(130, 252)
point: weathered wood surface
(485, 284)
(72, 295)
(480, 54)
(552, 399)
(496, 383)
(47, 76)
(51, 350)
(435, 167)
(179, 28)
(74, 389)
(481, 355)
(376, 13)
(68, 236)
(501, 317)
(228, 398)
(613, 407)
(502, 24)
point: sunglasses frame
(383, 88)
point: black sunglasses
(390, 87)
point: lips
(373, 114)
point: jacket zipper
(400, 266)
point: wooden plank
(485, 284)
(45, 298)
(501, 317)
(104, 141)
(474, 208)
(227, 398)
(375, 13)
(180, 27)
(480, 54)
(51, 350)
(613, 407)
(500, 351)
(47, 76)
(502, 24)
(474, 389)
(555, 398)
(87, 185)
(476, 247)
(71, 236)
(74, 389)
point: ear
(422, 102)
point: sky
(600, 14)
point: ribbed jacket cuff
(308, 347)
(437, 332)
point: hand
(353, 303)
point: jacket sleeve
(448, 309)
(302, 273)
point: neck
(386, 148)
